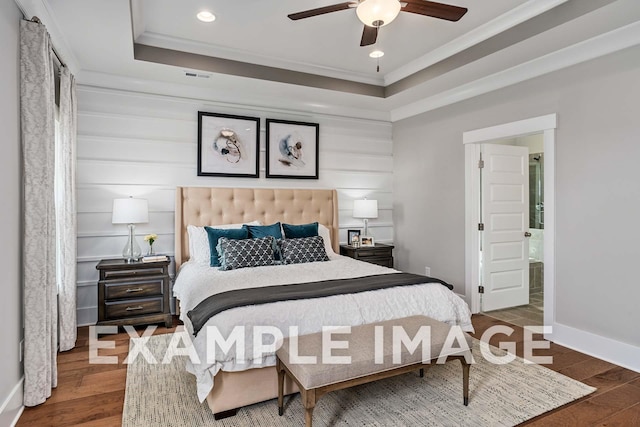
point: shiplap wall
(144, 145)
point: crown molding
(586, 50)
(508, 20)
(40, 8)
(216, 51)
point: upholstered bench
(316, 379)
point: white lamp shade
(365, 208)
(378, 13)
(130, 211)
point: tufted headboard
(202, 206)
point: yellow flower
(150, 238)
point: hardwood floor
(93, 395)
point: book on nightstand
(154, 258)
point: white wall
(597, 188)
(10, 216)
(145, 145)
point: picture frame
(351, 234)
(228, 145)
(367, 241)
(292, 149)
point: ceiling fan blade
(435, 10)
(369, 36)
(320, 11)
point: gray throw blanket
(252, 296)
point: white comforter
(196, 282)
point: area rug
(500, 395)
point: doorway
(512, 244)
(473, 141)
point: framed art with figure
(228, 145)
(292, 149)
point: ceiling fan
(378, 13)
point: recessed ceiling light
(206, 16)
(376, 54)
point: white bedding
(197, 282)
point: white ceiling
(259, 31)
(428, 63)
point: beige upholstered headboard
(202, 206)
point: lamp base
(131, 251)
(366, 227)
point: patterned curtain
(66, 211)
(39, 244)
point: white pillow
(199, 249)
(325, 233)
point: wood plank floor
(93, 395)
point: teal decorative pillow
(236, 254)
(306, 249)
(258, 231)
(300, 231)
(216, 234)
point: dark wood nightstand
(133, 293)
(379, 254)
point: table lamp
(365, 209)
(130, 211)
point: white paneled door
(505, 215)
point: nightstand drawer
(131, 289)
(133, 272)
(383, 261)
(380, 254)
(374, 253)
(133, 307)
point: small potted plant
(150, 238)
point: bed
(231, 381)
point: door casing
(472, 140)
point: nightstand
(133, 293)
(379, 254)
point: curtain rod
(55, 52)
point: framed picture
(228, 145)
(351, 234)
(292, 149)
(367, 241)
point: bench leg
(280, 387)
(465, 380)
(309, 402)
(421, 372)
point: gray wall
(10, 210)
(597, 187)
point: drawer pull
(135, 308)
(134, 290)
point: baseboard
(12, 406)
(622, 354)
(86, 316)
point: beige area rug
(500, 395)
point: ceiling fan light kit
(378, 13)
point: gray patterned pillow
(306, 249)
(245, 253)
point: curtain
(39, 245)
(65, 182)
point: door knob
(527, 234)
